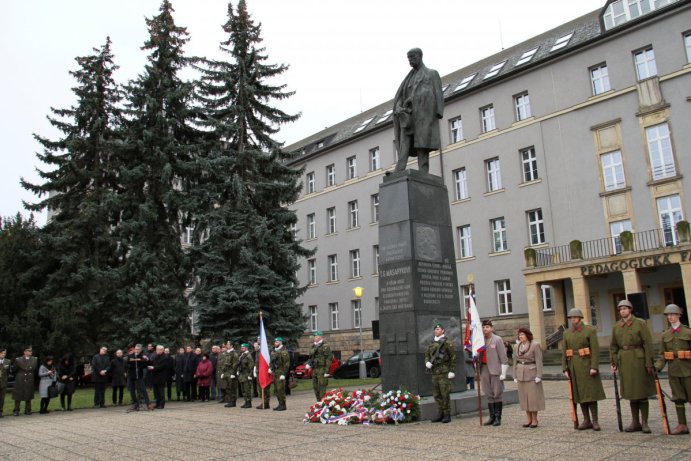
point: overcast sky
(344, 56)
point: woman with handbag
(47, 387)
(67, 380)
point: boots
(230, 404)
(644, 406)
(587, 423)
(247, 404)
(69, 403)
(27, 407)
(497, 413)
(635, 425)
(681, 428)
(439, 417)
(62, 402)
(447, 417)
(490, 421)
(593, 415)
(44, 406)
(281, 407)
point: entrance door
(676, 296)
(616, 297)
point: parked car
(301, 372)
(351, 368)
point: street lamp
(362, 367)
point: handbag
(53, 390)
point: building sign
(637, 263)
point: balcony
(628, 242)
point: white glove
(282, 378)
(249, 378)
(504, 370)
(255, 372)
(222, 375)
(326, 375)
(428, 365)
(452, 375)
(232, 376)
(271, 371)
(307, 366)
(537, 380)
(515, 380)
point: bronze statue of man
(418, 106)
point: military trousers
(319, 383)
(246, 386)
(280, 390)
(441, 389)
(491, 385)
(681, 388)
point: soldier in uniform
(221, 384)
(279, 368)
(440, 360)
(244, 374)
(24, 370)
(494, 365)
(676, 351)
(631, 351)
(229, 376)
(4, 371)
(319, 362)
(580, 363)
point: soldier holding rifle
(580, 365)
(319, 361)
(631, 351)
(676, 353)
(440, 360)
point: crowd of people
(222, 374)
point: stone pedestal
(418, 284)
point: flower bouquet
(363, 407)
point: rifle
(663, 405)
(617, 401)
(572, 406)
(436, 355)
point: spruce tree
(78, 251)
(245, 255)
(158, 170)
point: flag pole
(257, 364)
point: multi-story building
(551, 149)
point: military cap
(278, 338)
(318, 333)
(245, 345)
(575, 313)
(438, 325)
(487, 323)
(625, 303)
(672, 309)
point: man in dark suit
(25, 368)
(159, 369)
(418, 106)
(100, 364)
(137, 362)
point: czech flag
(265, 379)
(474, 339)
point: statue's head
(415, 57)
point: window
(493, 174)
(331, 220)
(311, 227)
(687, 45)
(503, 288)
(529, 163)
(363, 125)
(599, 79)
(461, 182)
(622, 11)
(645, 63)
(494, 70)
(465, 82)
(536, 227)
(612, 170)
(522, 105)
(354, 263)
(353, 219)
(526, 57)
(311, 271)
(351, 167)
(310, 183)
(499, 242)
(385, 116)
(546, 297)
(375, 207)
(465, 293)
(561, 42)
(331, 175)
(456, 128)
(669, 210)
(333, 309)
(374, 163)
(616, 228)
(660, 150)
(375, 258)
(465, 241)
(356, 305)
(333, 268)
(313, 318)
(487, 117)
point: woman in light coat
(48, 376)
(527, 372)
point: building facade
(551, 150)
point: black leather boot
(497, 413)
(446, 418)
(490, 421)
(439, 417)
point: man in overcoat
(25, 369)
(494, 366)
(159, 370)
(580, 363)
(676, 354)
(100, 364)
(418, 106)
(631, 353)
(440, 360)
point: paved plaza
(208, 431)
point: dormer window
(622, 11)
(465, 82)
(561, 42)
(494, 70)
(526, 57)
(363, 125)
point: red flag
(265, 379)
